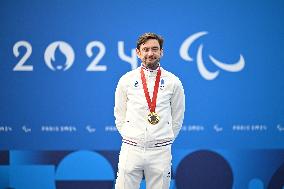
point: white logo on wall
(280, 128)
(65, 49)
(217, 128)
(205, 73)
(90, 129)
(26, 129)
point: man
(149, 110)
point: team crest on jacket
(162, 84)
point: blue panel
(84, 165)
(32, 177)
(4, 175)
(227, 54)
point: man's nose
(150, 52)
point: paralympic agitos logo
(95, 51)
(205, 73)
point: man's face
(150, 53)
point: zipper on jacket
(145, 136)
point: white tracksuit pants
(154, 162)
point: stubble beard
(153, 65)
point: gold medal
(153, 118)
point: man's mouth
(151, 58)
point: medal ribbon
(151, 104)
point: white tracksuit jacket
(131, 108)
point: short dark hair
(146, 36)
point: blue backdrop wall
(60, 62)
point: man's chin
(152, 65)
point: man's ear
(162, 52)
(138, 52)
